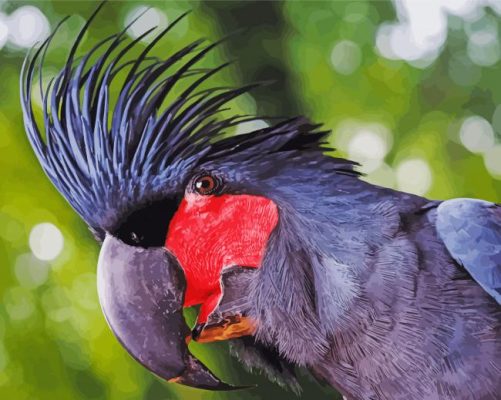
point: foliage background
(431, 125)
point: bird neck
(315, 276)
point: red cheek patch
(208, 233)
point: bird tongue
(141, 294)
(229, 319)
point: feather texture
(110, 155)
(471, 231)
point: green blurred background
(411, 89)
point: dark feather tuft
(107, 155)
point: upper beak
(141, 292)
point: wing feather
(471, 231)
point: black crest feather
(105, 159)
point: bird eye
(206, 184)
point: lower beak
(141, 292)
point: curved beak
(141, 292)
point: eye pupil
(204, 183)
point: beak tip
(132, 283)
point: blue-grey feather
(409, 325)
(144, 149)
(471, 231)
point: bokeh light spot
(496, 119)
(27, 26)
(346, 57)
(365, 143)
(31, 272)
(476, 134)
(56, 304)
(492, 160)
(421, 30)
(384, 175)
(46, 241)
(4, 30)
(367, 147)
(151, 18)
(483, 48)
(250, 126)
(84, 291)
(19, 303)
(11, 230)
(356, 12)
(414, 176)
